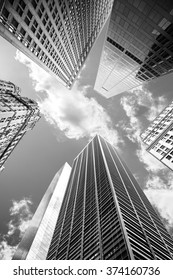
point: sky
(70, 118)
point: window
(41, 10)
(28, 18)
(49, 26)
(115, 44)
(5, 13)
(34, 3)
(14, 23)
(43, 39)
(22, 5)
(45, 19)
(34, 26)
(168, 157)
(28, 41)
(55, 12)
(39, 33)
(164, 23)
(38, 51)
(51, 5)
(19, 10)
(22, 32)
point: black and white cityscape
(86, 130)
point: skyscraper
(158, 137)
(36, 240)
(17, 116)
(57, 35)
(105, 214)
(138, 45)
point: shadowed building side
(138, 46)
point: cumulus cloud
(150, 162)
(134, 127)
(143, 98)
(159, 182)
(70, 111)
(6, 251)
(20, 214)
(161, 196)
(165, 181)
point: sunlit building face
(37, 238)
(57, 35)
(18, 115)
(105, 214)
(158, 136)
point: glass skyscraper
(36, 240)
(56, 34)
(105, 214)
(158, 136)
(138, 45)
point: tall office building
(56, 34)
(105, 214)
(138, 45)
(36, 240)
(17, 116)
(158, 137)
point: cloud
(134, 127)
(160, 194)
(21, 215)
(6, 251)
(69, 111)
(159, 190)
(150, 162)
(144, 98)
(159, 182)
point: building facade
(158, 137)
(138, 45)
(17, 116)
(57, 35)
(105, 214)
(36, 240)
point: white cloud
(134, 127)
(70, 111)
(158, 190)
(21, 215)
(161, 181)
(150, 162)
(162, 199)
(143, 97)
(155, 109)
(6, 251)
